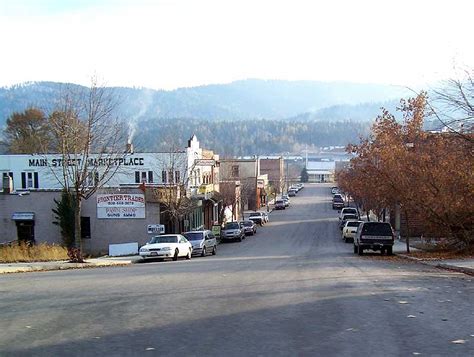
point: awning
(23, 216)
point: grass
(36, 253)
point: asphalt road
(293, 289)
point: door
(25, 231)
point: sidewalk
(64, 265)
(460, 265)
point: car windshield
(377, 229)
(255, 214)
(232, 225)
(194, 235)
(349, 216)
(338, 199)
(248, 223)
(353, 224)
(279, 201)
(164, 239)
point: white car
(167, 246)
(348, 210)
(349, 231)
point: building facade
(138, 193)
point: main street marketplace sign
(120, 206)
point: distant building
(321, 171)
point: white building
(321, 171)
(122, 209)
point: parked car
(232, 231)
(249, 227)
(286, 199)
(348, 210)
(348, 217)
(167, 246)
(265, 215)
(292, 193)
(203, 242)
(300, 186)
(349, 230)
(377, 236)
(257, 217)
(280, 204)
(337, 203)
(334, 190)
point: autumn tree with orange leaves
(429, 175)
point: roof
(321, 165)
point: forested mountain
(247, 99)
(240, 118)
(248, 137)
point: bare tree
(89, 138)
(453, 105)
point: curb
(464, 270)
(64, 266)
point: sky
(166, 44)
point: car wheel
(188, 256)
(203, 253)
(389, 251)
(214, 250)
(382, 251)
(175, 256)
(345, 240)
(360, 250)
(355, 249)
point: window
(29, 179)
(85, 227)
(92, 178)
(143, 176)
(235, 171)
(7, 180)
(177, 176)
(164, 176)
(170, 176)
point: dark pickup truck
(377, 236)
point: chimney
(129, 148)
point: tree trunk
(77, 223)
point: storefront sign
(156, 229)
(113, 206)
(216, 230)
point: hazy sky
(178, 43)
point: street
(295, 288)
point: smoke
(144, 102)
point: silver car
(203, 242)
(232, 231)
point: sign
(23, 216)
(205, 162)
(206, 188)
(156, 229)
(121, 206)
(216, 230)
(260, 183)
